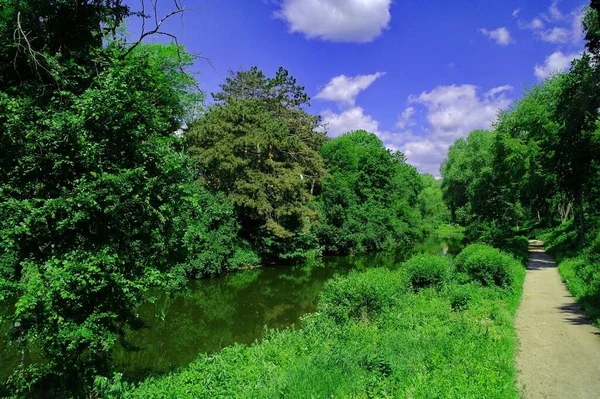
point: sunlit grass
(373, 336)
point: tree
(98, 203)
(466, 159)
(526, 134)
(260, 148)
(575, 151)
(433, 209)
(370, 201)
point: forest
(118, 178)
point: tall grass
(413, 333)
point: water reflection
(237, 307)
(215, 313)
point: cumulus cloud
(351, 119)
(516, 12)
(337, 20)
(501, 35)
(405, 118)
(555, 62)
(558, 28)
(452, 112)
(343, 89)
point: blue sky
(419, 74)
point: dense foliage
(433, 209)
(374, 337)
(260, 147)
(539, 165)
(371, 199)
(100, 202)
(539, 173)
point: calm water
(215, 313)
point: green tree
(434, 211)
(260, 148)
(371, 199)
(465, 161)
(98, 203)
(578, 142)
(525, 157)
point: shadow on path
(540, 260)
(559, 353)
(574, 314)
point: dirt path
(560, 351)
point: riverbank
(431, 328)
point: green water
(237, 307)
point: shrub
(487, 265)
(582, 277)
(518, 247)
(461, 295)
(362, 295)
(428, 270)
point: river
(237, 307)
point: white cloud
(452, 112)
(537, 23)
(497, 90)
(343, 89)
(556, 35)
(554, 13)
(405, 118)
(351, 119)
(501, 35)
(562, 29)
(426, 155)
(516, 12)
(555, 62)
(337, 20)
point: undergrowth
(578, 263)
(432, 329)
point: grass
(578, 264)
(374, 335)
(449, 230)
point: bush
(518, 247)
(582, 277)
(428, 270)
(362, 295)
(578, 263)
(425, 345)
(487, 265)
(461, 295)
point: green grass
(374, 336)
(578, 264)
(449, 230)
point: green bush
(518, 247)
(362, 295)
(457, 342)
(487, 265)
(426, 270)
(462, 295)
(578, 263)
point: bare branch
(20, 37)
(158, 24)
